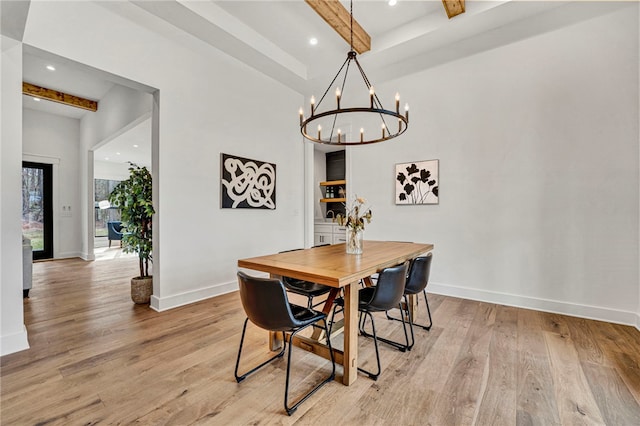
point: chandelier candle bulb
(406, 112)
(338, 96)
(319, 130)
(398, 103)
(313, 104)
(371, 93)
(301, 116)
(361, 134)
(383, 126)
(339, 134)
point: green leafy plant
(134, 199)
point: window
(103, 188)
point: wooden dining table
(332, 266)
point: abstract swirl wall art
(417, 183)
(247, 184)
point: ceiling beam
(453, 7)
(339, 18)
(60, 97)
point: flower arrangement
(355, 216)
(354, 219)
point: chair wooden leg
(109, 243)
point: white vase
(354, 240)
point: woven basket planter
(141, 289)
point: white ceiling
(133, 145)
(68, 77)
(273, 37)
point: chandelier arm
(367, 82)
(332, 81)
(344, 82)
(375, 95)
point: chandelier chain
(351, 28)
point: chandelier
(376, 124)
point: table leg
(413, 306)
(328, 305)
(275, 341)
(350, 333)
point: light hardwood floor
(96, 358)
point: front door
(37, 208)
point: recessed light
(393, 2)
(106, 158)
(117, 153)
(36, 99)
(51, 68)
(135, 146)
(313, 41)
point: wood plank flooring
(96, 358)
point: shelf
(333, 200)
(333, 182)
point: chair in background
(265, 302)
(115, 233)
(387, 294)
(417, 281)
(305, 288)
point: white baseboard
(87, 256)
(69, 255)
(164, 303)
(545, 305)
(14, 342)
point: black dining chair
(305, 288)
(417, 281)
(387, 294)
(265, 302)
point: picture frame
(417, 182)
(247, 183)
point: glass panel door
(37, 209)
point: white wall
(209, 104)
(13, 335)
(53, 139)
(538, 150)
(118, 109)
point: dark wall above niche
(335, 165)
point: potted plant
(134, 199)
